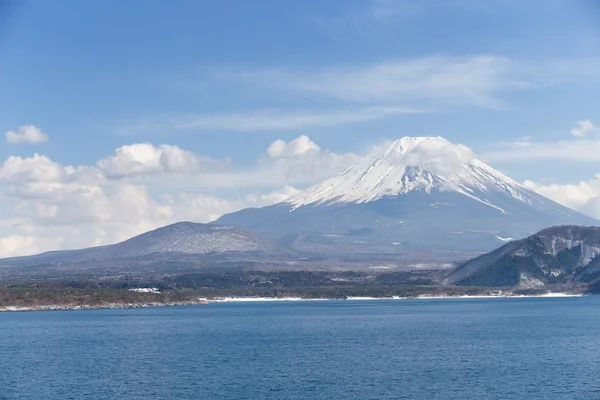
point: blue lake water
(407, 349)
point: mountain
(420, 198)
(183, 239)
(554, 255)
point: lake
(527, 348)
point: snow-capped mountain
(183, 239)
(416, 194)
(560, 254)
(390, 173)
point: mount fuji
(419, 197)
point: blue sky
(222, 80)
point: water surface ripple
(540, 348)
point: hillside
(183, 239)
(555, 255)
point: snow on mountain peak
(435, 154)
(408, 143)
(409, 164)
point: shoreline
(207, 301)
(108, 306)
(360, 298)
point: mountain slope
(417, 196)
(394, 171)
(555, 255)
(180, 239)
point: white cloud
(298, 162)
(440, 156)
(40, 177)
(437, 154)
(268, 120)
(16, 245)
(80, 216)
(204, 208)
(583, 128)
(32, 169)
(584, 147)
(277, 196)
(147, 159)
(463, 80)
(583, 196)
(296, 148)
(26, 134)
(23, 225)
(477, 80)
(52, 206)
(521, 142)
(302, 161)
(111, 215)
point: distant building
(145, 290)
